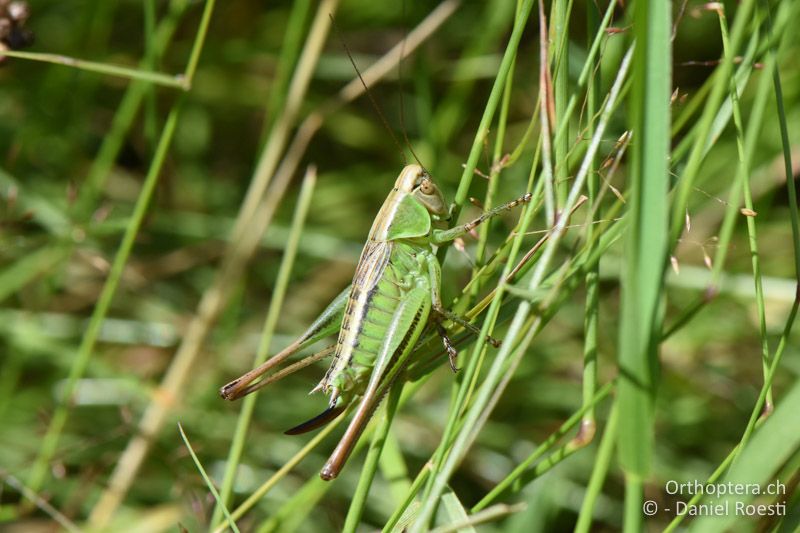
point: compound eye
(426, 186)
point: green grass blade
(275, 308)
(27, 268)
(591, 312)
(771, 446)
(290, 50)
(370, 467)
(560, 13)
(523, 474)
(197, 47)
(453, 512)
(50, 441)
(515, 332)
(268, 485)
(690, 172)
(602, 463)
(744, 178)
(646, 250)
(491, 105)
(132, 73)
(207, 480)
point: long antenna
(372, 99)
(400, 85)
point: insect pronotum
(381, 315)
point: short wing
(371, 266)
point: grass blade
(208, 481)
(646, 250)
(275, 308)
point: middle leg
(435, 275)
(452, 354)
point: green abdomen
(369, 312)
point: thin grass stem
(275, 308)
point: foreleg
(442, 236)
